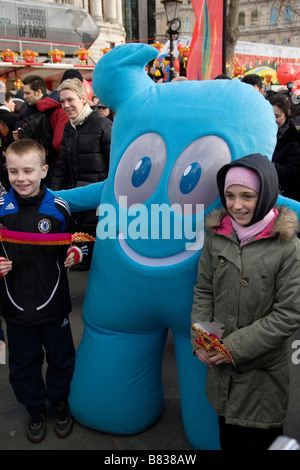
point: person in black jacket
(34, 291)
(34, 89)
(85, 147)
(8, 119)
(32, 124)
(286, 156)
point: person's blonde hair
(24, 146)
(74, 84)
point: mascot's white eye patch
(193, 176)
(140, 169)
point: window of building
(241, 18)
(273, 15)
(287, 15)
(254, 17)
(151, 20)
(186, 25)
(130, 19)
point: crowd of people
(75, 152)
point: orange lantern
(8, 55)
(18, 83)
(105, 50)
(57, 55)
(83, 54)
(29, 56)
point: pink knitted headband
(243, 176)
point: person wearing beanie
(71, 73)
(248, 283)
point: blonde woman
(85, 146)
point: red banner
(206, 54)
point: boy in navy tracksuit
(34, 291)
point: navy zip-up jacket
(36, 290)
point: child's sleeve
(203, 302)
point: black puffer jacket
(286, 158)
(84, 156)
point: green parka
(254, 291)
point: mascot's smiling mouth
(164, 261)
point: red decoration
(88, 89)
(105, 50)
(29, 56)
(184, 52)
(238, 71)
(57, 55)
(18, 83)
(296, 87)
(285, 74)
(8, 55)
(157, 45)
(268, 78)
(83, 54)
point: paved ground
(167, 434)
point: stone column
(111, 11)
(96, 9)
(119, 12)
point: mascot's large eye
(140, 170)
(193, 176)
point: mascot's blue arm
(291, 203)
(83, 198)
(89, 197)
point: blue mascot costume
(168, 142)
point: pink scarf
(246, 233)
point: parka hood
(268, 182)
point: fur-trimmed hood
(286, 225)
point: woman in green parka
(249, 281)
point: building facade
(185, 15)
(265, 21)
(108, 16)
(270, 22)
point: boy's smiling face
(25, 173)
